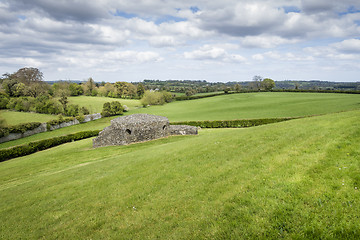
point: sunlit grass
(14, 118)
(95, 104)
(256, 105)
(295, 180)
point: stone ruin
(139, 128)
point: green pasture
(256, 105)
(298, 179)
(14, 118)
(95, 104)
(93, 125)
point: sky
(217, 41)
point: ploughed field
(294, 179)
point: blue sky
(228, 40)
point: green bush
(32, 147)
(112, 108)
(20, 128)
(242, 123)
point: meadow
(293, 180)
(297, 179)
(255, 105)
(14, 118)
(95, 104)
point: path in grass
(14, 118)
(294, 180)
(256, 105)
(95, 104)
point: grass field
(14, 118)
(95, 104)
(294, 180)
(93, 125)
(256, 105)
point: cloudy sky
(227, 40)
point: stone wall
(138, 128)
(14, 136)
(43, 128)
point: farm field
(294, 180)
(14, 118)
(95, 104)
(255, 105)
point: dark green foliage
(242, 123)
(75, 89)
(112, 109)
(4, 100)
(116, 108)
(106, 112)
(72, 110)
(140, 90)
(20, 128)
(84, 111)
(32, 147)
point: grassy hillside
(14, 118)
(95, 104)
(295, 179)
(256, 105)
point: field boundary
(239, 123)
(36, 146)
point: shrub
(20, 128)
(4, 100)
(112, 109)
(232, 123)
(36, 146)
(156, 98)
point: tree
(125, 90)
(140, 90)
(28, 75)
(237, 87)
(268, 84)
(75, 89)
(256, 84)
(64, 101)
(89, 86)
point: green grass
(14, 118)
(93, 125)
(256, 105)
(95, 104)
(291, 180)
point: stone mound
(138, 128)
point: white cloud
(208, 52)
(153, 37)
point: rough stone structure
(139, 128)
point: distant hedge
(20, 128)
(316, 91)
(32, 147)
(242, 123)
(183, 98)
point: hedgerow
(20, 128)
(32, 147)
(242, 123)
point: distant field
(14, 118)
(95, 104)
(292, 180)
(256, 105)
